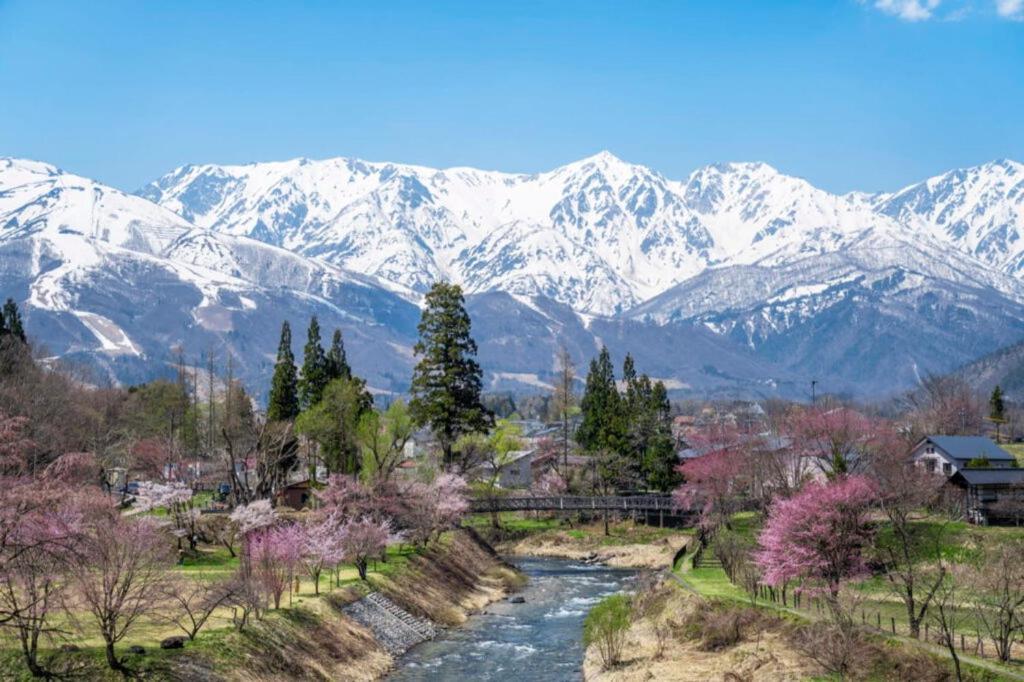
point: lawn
(209, 563)
(1017, 450)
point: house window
(929, 464)
(947, 468)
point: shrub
(979, 463)
(606, 627)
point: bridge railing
(574, 503)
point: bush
(719, 626)
(606, 627)
(979, 463)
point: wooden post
(878, 619)
(963, 647)
(926, 632)
(863, 617)
(893, 625)
(661, 518)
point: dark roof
(989, 476)
(969, 447)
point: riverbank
(313, 637)
(677, 635)
(445, 584)
(629, 545)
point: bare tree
(948, 615)
(564, 401)
(192, 602)
(943, 405)
(120, 581)
(997, 595)
(259, 458)
(910, 546)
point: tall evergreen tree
(336, 362)
(447, 381)
(604, 421)
(660, 461)
(283, 403)
(314, 368)
(12, 320)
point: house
(517, 470)
(994, 495)
(951, 454)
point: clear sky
(850, 94)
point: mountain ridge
(756, 270)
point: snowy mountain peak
(600, 234)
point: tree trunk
(606, 522)
(30, 649)
(361, 567)
(113, 661)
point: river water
(536, 641)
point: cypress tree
(283, 403)
(314, 367)
(336, 363)
(12, 320)
(447, 381)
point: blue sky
(869, 94)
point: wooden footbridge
(661, 504)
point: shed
(987, 492)
(295, 495)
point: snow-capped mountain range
(764, 272)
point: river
(538, 640)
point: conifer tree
(336, 363)
(604, 420)
(12, 320)
(997, 409)
(283, 403)
(447, 381)
(314, 367)
(659, 456)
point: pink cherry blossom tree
(818, 537)
(715, 480)
(274, 554)
(322, 547)
(363, 538)
(550, 483)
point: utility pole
(814, 384)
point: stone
(137, 650)
(69, 648)
(176, 642)
(517, 600)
